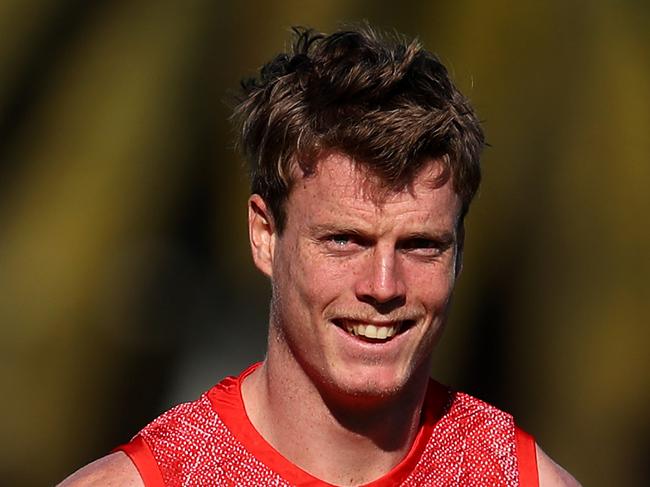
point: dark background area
(126, 284)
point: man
(365, 159)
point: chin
(372, 382)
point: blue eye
(340, 239)
(426, 247)
(343, 242)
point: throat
(303, 426)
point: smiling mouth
(374, 332)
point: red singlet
(211, 442)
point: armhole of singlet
(526, 458)
(140, 454)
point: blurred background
(126, 284)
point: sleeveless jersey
(211, 442)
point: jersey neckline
(226, 400)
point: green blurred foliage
(125, 280)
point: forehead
(340, 188)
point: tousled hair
(385, 102)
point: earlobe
(261, 233)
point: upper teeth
(372, 331)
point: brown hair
(385, 102)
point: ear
(460, 246)
(261, 233)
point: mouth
(374, 332)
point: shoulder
(482, 418)
(551, 474)
(115, 469)
(485, 418)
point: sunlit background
(125, 279)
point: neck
(303, 423)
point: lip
(354, 347)
(401, 325)
(369, 345)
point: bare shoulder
(551, 474)
(115, 470)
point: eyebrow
(335, 228)
(443, 241)
(444, 236)
(323, 230)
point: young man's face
(360, 287)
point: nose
(381, 283)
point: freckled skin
(345, 255)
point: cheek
(321, 279)
(431, 285)
(305, 280)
